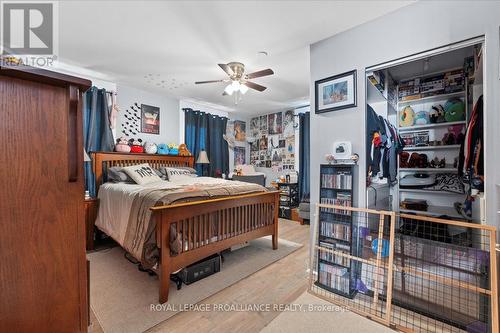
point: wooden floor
(280, 283)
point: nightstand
(91, 206)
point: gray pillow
(163, 171)
(117, 175)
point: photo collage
(274, 146)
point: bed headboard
(101, 161)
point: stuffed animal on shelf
(183, 150)
(403, 159)
(150, 148)
(136, 146)
(436, 114)
(173, 149)
(454, 110)
(162, 149)
(422, 118)
(406, 117)
(122, 145)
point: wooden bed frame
(236, 219)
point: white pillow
(142, 173)
(174, 174)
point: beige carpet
(121, 296)
(325, 317)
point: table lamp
(202, 159)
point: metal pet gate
(410, 272)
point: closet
(43, 274)
(430, 104)
(424, 138)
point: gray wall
(418, 27)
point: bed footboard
(202, 228)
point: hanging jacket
(471, 161)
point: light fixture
(243, 88)
(236, 85)
(229, 89)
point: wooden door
(42, 235)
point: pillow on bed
(174, 174)
(142, 173)
(117, 175)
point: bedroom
(240, 200)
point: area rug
(309, 313)
(123, 298)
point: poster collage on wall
(274, 146)
(236, 130)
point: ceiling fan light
(236, 85)
(243, 89)
(229, 89)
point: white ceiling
(180, 42)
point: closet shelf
(430, 126)
(429, 170)
(423, 191)
(433, 147)
(435, 211)
(431, 99)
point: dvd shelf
(335, 230)
(335, 272)
(328, 256)
(341, 181)
(342, 199)
(334, 277)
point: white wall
(169, 113)
(418, 27)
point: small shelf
(334, 264)
(414, 190)
(431, 99)
(444, 147)
(335, 221)
(374, 95)
(429, 170)
(333, 240)
(435, 211)
(430, 126)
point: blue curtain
(304, 157)
(204, 131)
(97, 134)
(217, 148)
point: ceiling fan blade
(255, 86)
(264, 72)
(226, 69)
(211, 81)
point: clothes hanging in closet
(471, 151)
(384, 145)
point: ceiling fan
(238, 80)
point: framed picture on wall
(336, 92)
(150, 119)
